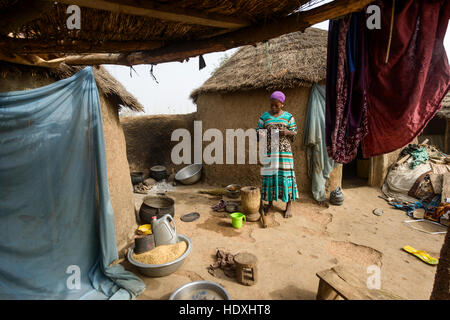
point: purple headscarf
(278, 95)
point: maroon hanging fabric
(405, 93)
(349, 105)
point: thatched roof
(445, 111)
(106, 83)
(296, 59)
(153, 31)
(112, 88)
(103, 24)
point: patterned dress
(278, 177)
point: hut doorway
(356, 173)
(435, 133)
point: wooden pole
(161, 11)
(447, 137)
(441, 286)
(34, 46)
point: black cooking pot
(156, 206)
(137, 177)
(158, 173)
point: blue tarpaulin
(319, 164)
(56, 219)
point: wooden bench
(339, 283)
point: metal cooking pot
(231, 207)
(233, 190)
(158, 173)
(156, 206)
(137, 177)
(144, 243)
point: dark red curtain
(406, 92)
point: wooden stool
(245, 264)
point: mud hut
(237, 94)
(113, 97)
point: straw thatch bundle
(292, 60)
(100, 25)
(106, 84)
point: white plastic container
(162, 231)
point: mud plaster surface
(291, 251)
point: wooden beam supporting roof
(245, 36)
(161, 11)
(37, 46)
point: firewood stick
(261, 212)
(405, 158)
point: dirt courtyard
(291, 251)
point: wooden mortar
(250, 201)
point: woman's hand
(284, 132)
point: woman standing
(278, 177)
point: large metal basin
(190, 174)
(161, 270)
(191, 287)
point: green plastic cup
(236, 219)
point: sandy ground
(291, 251)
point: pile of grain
(162, 254)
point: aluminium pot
(156, 206)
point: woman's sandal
(220, 206)
(422, 255)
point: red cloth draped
(405, 93)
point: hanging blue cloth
(56, 219)
(319, 164)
